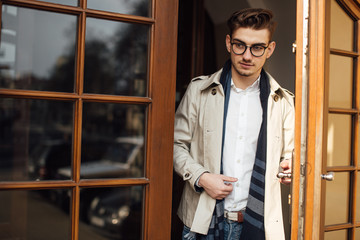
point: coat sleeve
(186, 119)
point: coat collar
(276, 90)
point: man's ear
(270, 49)
(228, 42)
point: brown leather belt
(235, 216)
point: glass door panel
(112, 213)
(341, 28)
(357, 233)
(113, 141)
(339, 140)
(24, 62)
(337, 199)
(35, 138)
(336, 235)
(32, 220)
(116, 58)
(340, 82)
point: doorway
(201, 51)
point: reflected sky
(36, 43)
(41, 36)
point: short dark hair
(255, 18)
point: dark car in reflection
(51, 160)
(47, 157)
(120, 159)
(105, 210)
(118, 214)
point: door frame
(309, 119)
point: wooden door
(327, 133)
(87, 98)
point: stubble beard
(243, 73)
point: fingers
(285, 181)
(229, 179)
(216, 185)
(286, 164)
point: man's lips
(246, 65)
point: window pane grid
(75, 184)
(344, 45)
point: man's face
(247, 65)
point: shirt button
(238, 161)
(240, 137)
(237, 185)
(187, 175)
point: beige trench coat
(197, 149)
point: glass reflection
(35, 138)
(26, 215)
(24, 62)
(116, 58)
(339, 140)
(64, 2)
(114, 213)
(113, 134)
(133, 7)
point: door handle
(328, 176)
(283, 175)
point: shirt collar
(253, 88)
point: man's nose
(247, 54)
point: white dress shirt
(243, 123)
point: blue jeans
(232, 231)
(188, 235)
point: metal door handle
(328, 177)
(283, 175)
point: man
(233, 131)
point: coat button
(276, 98)
(187, 175)
(213, 91)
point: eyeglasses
(240, 48)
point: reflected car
(117, 214)
(99, 159)
(47, 158)
(117, 160)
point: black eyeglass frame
(247, 46)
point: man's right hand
(216, 185)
